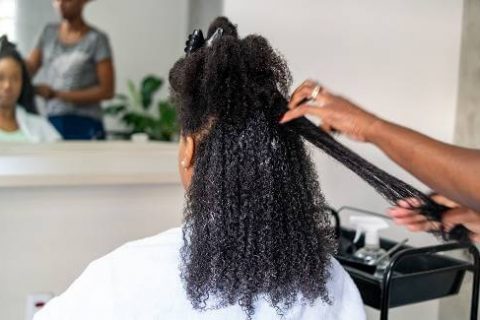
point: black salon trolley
(432, 274)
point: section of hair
(390, 187)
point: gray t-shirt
(72, 67)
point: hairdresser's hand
(406, 214)
(466, 217)
(337, 113)
(45, 91)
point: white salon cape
(36, 128)
(141, 281)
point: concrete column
(467, 128)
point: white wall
(147, 36)
(202, 12)
(30, 19)
(398, 58)
(66, 204)
(50, 234)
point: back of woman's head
(255, 221)
(27, 93)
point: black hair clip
(196, 40)
(217, 35)
(5, 44)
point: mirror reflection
(86, 84)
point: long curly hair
(255, 222)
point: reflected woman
(75, 60)
(18, 119)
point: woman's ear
(189, 152)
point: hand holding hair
(411, 217)
(337, 113)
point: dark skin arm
(450, 170)
(34, 62)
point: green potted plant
(136, 113)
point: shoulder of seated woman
(161, 248)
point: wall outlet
(35, 301)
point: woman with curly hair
(256, 242)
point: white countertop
(88, 163)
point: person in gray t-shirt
(75, 60)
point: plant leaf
(168, 114)
(115, 109)
(135, 94)
(121, 97)
(168, 120)
(138, 122)
(150, 85)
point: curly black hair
(256, 224)
(27, 94)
